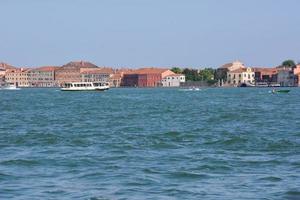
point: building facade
(96, 74)
(145, 77)
(174, 80)
(42, 77)
(286, 77)
(221, 72)
(18, 77)
(297, 75)
(265, 75)
(240, 76)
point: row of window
(240, 75)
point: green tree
(191, 74)
(176, 70)
(207, 74)
(289, 63)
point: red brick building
(145, 77)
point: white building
(173, 80)
(240, 76)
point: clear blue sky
(138, 33)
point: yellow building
(240, 76)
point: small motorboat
(280, 91)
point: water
(150, 144)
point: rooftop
(5, 66)
(235, 63)
(79, 64)
(45, 68)
(149, 70)
(103, 70)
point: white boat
(9, 86)
(85, 86)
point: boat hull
(85, 89)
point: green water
(239, 143)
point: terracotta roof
(150, 70)
(46, 68)
(18, 70)
(240, 70)
(264, 69)
(228, 65)
(5, 66)
(79, 64)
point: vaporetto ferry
(85, 86)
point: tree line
(206, 74)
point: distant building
(71, 72)
(240, 76)
(96, 74)
(265, 75)
(117, 77)
(297, 75)
(286, 77)
(145, 77)
(115, 80)
(3, 68)
(221, 72)
(173, 80)
(2, 79)
(18, 77)
(42, 77)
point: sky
(138, 33)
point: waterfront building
(240, 76)
(2, 79)
(221, 72)
(265, 75)
(173, 80)
(42, 77)
(71, 72)
(117, 77)
(115, 80)
(96, 74)
(3, 68)
(297, 75)
(145, 77)
(17, 76)
(286, 77)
